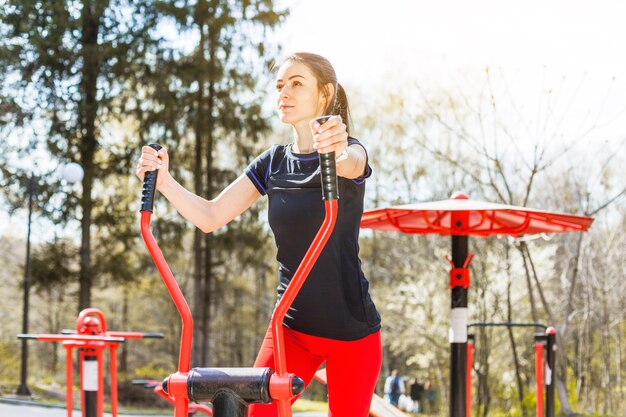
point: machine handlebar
(149, 186)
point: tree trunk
(483, 375)
(544, 302)
(207, 106)
(518, 373)
(561, 360)
(531, 296)
(123, 364)
(88, 114)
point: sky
(561, 63)
(367, 39)
(576, 46)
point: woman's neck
(302, 138)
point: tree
(65, 64)
(431, 143)
(204, 109)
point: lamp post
(71, 173)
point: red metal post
(100, 361)
(539, 377)
(550, 379)
(68, 378)
(113, 373)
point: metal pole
(539, 377)
(550, 371)
(90, 383)
(458, 326)
(23, 388)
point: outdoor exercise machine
(231, 390)
(92, 339)
(461, 217)
(545, 361)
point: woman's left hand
(331, 136)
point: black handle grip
(147, 383)
(328, 170)
(153, 335)
(149, 186)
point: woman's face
(299, 100)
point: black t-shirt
(334, 301)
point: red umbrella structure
(461, 217)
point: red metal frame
(539, 377)
(91, 336)
(177, 383)
(280, 383)
(460, 277)
(486, 218)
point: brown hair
(325, 74)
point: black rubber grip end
(153, 335)
(328, 168)
(149, 186)
(297, 386)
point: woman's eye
(296, 83)
(279, 87)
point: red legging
(352, 369)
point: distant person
(394, 387)
(416, 391)
(430, 395)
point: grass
(309, 405)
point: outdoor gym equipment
(231, 390)
(91, 338)
(544, 364)
(461, 218)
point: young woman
(333, 318)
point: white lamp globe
(72, 172)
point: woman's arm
(333, 137)
(207, 215)
(352, 165)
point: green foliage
(9, 356)
(151, 371)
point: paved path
(19, 408)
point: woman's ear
(329, 90)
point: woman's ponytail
(341, 106)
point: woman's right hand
(150, 160)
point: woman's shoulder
(354, 141)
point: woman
(333, 318)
